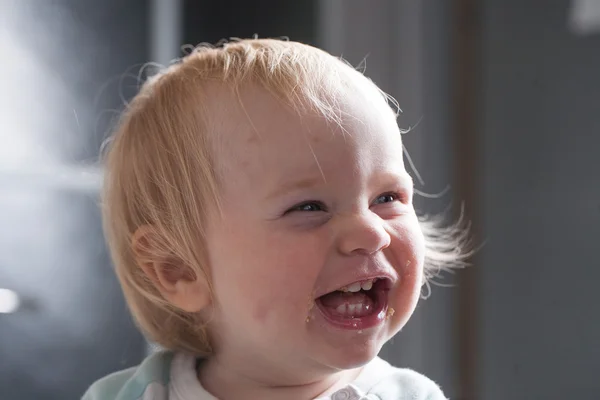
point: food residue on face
(390, 312)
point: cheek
(408, 247)
(408, 255)
(267, 273)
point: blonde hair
(160, 171)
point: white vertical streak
(165, 30)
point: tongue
(348, 304)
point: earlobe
(175, 281)
(190, 296)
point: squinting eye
(386, 198)
(311, 206)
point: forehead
(260, 139)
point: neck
(226, 382)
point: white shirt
(169, 376)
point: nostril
(362, 234)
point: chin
(353, 356)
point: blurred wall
(540, 187)
(60, 77)
(210, 21)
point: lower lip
(378, 316)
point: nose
(363, 234)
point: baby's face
(317, 257)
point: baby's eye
(309, 206)
(386, 198)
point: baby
(261, 223)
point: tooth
(341, 309)
(352, 309)
(366, 285)
(355, 287)
(344, 289)
(358, 309)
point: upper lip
(359, 275)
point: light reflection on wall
(52, 254)
(9, 301)
(37, 142)
(584, 17)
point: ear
(175, 281)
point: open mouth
(358, 306)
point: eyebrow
(292, 186)
(403, 178)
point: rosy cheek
(284, 303)
(408, 246)
(281, 286)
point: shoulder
(389, 383)
(150, 378)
